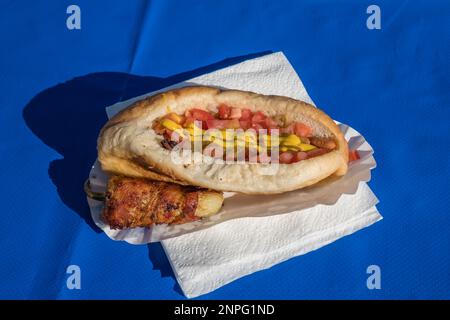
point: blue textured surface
(393, 85)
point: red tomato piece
(269, 123)
(286, 157)
(273, 131)
(287, 130)
(224, 111)
(246, 114)
(201, 115)
(353, 155)
(245, 124)
(236, 113)
(257, 126)
(258, 117)
(223, 124)
(316, 152)
(302, 130)
(299, 156)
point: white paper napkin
(208, 259)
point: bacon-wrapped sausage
(134, 202)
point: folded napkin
(205, 260)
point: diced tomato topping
(302, 130)
(258, 117)
(201, 115)
(353, 155)
(316, 152)
(224, 111)
(257, 126)
(269, 123)
(223, 124)
(286, 157)
(299, 156)
(235, 118)
(236, 113)
(245, 124)
(246, 114)
(272, 131)
(287, 130)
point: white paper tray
(326, 192)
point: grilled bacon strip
(135, 202)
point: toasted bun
(128, 145)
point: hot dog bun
(128, 145)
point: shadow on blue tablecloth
(68, 117)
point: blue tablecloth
(392, 84)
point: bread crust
(128, 145)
